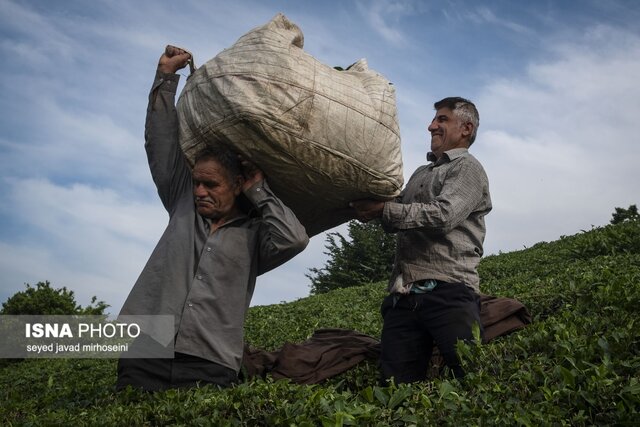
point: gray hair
(227, 158)
(464, 109)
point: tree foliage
(622, 215)
(366, 256)
(45, 300)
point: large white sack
(323, 137)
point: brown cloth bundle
(330, 352)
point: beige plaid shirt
(439, 218)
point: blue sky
(555, 83)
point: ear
(238, 184)
(467, 130)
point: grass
(577, 364)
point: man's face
(215, 192)
(447, 132)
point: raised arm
(169, 168)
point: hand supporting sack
(323, 137)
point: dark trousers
(418, 321)
(183, 371)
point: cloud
(33, 48)
(82, 206)
(89, 239)
(483, 15)
(75, 144)
(32, 263)
(76, 182)
(558, 142)
(556, 138)
(384, 17)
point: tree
(622, 215)
(365, 257)
(45, 300)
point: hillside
(577, 364)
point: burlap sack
(323, 137)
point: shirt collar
(208, 221)
(447, 156)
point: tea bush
(577, 364)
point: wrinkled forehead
(210, 168)
(446, 111)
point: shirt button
(258, 189)
(199, 277)
(190, 305)
(208, 249)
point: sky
(555, 82)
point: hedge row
(577, 364)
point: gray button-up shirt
(206, 280)
(439, 217)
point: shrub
(45, 300)
(578, 363)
